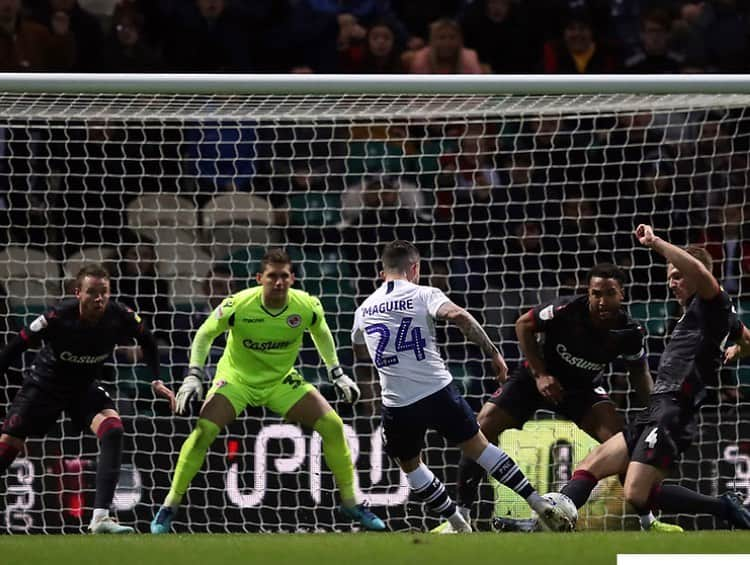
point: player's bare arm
(706, 286)
(474, 332)
(739, 349)
(549, 387)
(641, 379)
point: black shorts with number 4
(34, 409)
(520, 398)
(661, 434)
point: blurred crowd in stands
(509, 211)
(375, 36)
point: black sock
(469, 478)
(675, 499)
(8, 454)
(579, 487)
(110, 456)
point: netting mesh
(511, 199)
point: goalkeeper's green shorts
(279, 397)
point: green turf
(359, 549)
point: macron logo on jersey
(391, 306)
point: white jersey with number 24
(396, 322)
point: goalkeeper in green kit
(266, 325)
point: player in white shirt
(394, 327)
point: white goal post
(511, 186)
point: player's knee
(110, 429)
(605, 432)
(637, 499)
(205, 433)
(11, 441)
(329, 425)
(492, 421)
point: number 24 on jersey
(415, 344)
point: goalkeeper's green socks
(337, 454)
(192, 455)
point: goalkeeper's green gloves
(192, 388)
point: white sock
(420, 477)
(465, 512)
(536, 501)
(647, 520)
(99, 514)
(457, 520)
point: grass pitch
(582, 548)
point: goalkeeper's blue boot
(162, 522)
(362, 514)
(738, 515)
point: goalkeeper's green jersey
(263, 344)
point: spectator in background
(28, 46)
(688, 33)
(728, 242)
(713, 35)
(222, 157)
(208, 37)
(501, 35)
(136, 283)
(654, 55)
(417, 15)
(66, 16)
(578, 52)
(445, 53)
(379, 53)
(356, 16)
(125, 50)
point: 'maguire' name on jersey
(262, 345)
(74, 351)
(396, 322)
(574, 350)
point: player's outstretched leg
(428, 488)
(192, 455)
(676, 499)
(339, 460)
(110, 435)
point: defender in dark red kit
(76, 338)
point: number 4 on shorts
(652, 438)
